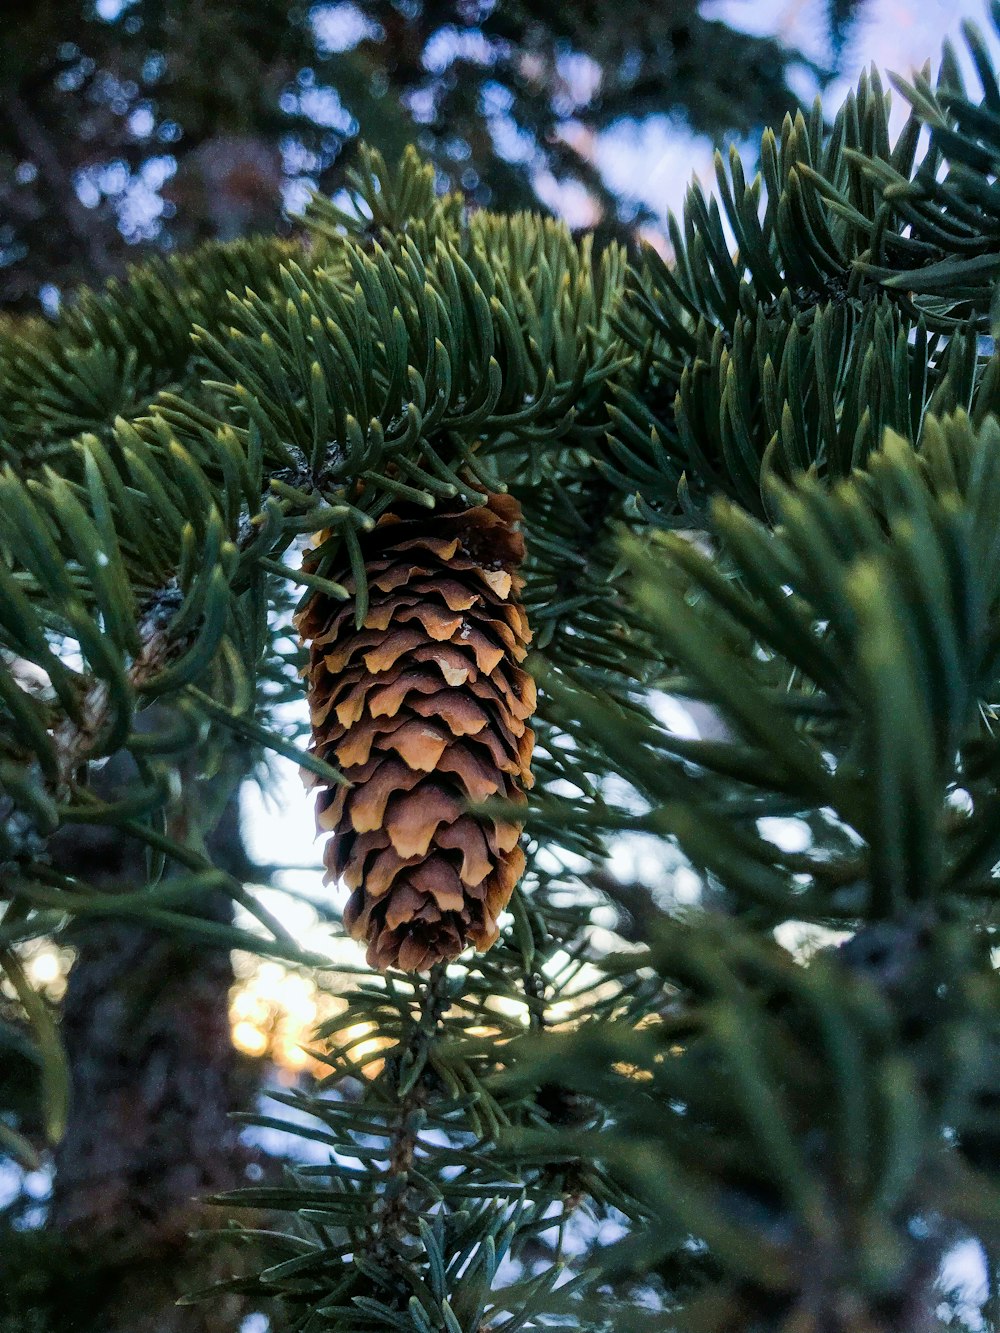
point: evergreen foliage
(787, 1142)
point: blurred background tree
(155, 124)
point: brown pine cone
(424, 709)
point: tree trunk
(145, 1021)
(154, 1081)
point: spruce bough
(761, 479)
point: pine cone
(424, 709)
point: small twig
(398, 1212)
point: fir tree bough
(786, 1140)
